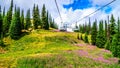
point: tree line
(104, 34)
(13, 22)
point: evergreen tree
(53, 24)
(115, 48)
(112, 28)
(89, 28)
(100, 39)
(78, 36)
(15, 27)
(9, 17)
(81, 37)
(106, 29)
(28, 20)
(22, 20)
(1, 22)
(43, 16)
(5, 25)
(107, 45)
(86, 38)
(1, 31)
(46, 25)
(94, 33)
(4, 12)
(83, 28)
(36, 17)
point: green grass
(48, 49)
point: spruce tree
(43, 14)
(5, 25)
(1, 31)
(28, 20)
(36, 17)
(86, 38)
(100, 39)
(115, 48)
(15, 27)
(94, 33)
(81, 37)
(53, 24)
(106, 29)
(22, 20)
(81, 28)
(112, 28)
(78, 36)
(4, 12)
(9, 17)
(1, 23)
(46, 25)
(89, 28)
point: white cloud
(69, 15)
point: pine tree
(83, 28)
(46, 25)
(53, 24)
(28, 20)
(43, 16)
(100, 39)
(1, 23)
(106, 29)
(4, 12)
(15, 27)
(1, 28)
(86, 38)
(81, 37)
(112, 28)
(36, 17)
(78, 36)
(89, 29)
(115, 48)
(22, 19)
(9, 17)
(5, 26)
(51, 21)
(94, 33)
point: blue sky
(84, 4)
(71, 10)
(79, 4)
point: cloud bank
(72, 12)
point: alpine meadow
(59, 34)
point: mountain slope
(49, 49)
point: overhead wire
(96, 10)
(59, 11)
(86, 15)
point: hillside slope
(49, 49)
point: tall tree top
(0, 9)
(43, 10)
(112, 19)
(118, 25)
(11, 4)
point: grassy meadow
(51, 49)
